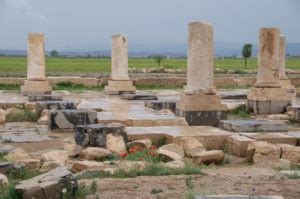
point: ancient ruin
(200, 87)
(119, 82)
(36, 82)
(268, 96)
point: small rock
(208, 157)
(278, 117)
(168, 155)
(175, 164)
(145, 143)
(17, 155)
(79, 166)
(71, 147)
(31, 163)
(43, 119)
(116, 144)
(93, 153)
(174, 148)
(3, 180)
(57, 156)
(2, 116)
(191, 146)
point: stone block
(49, 97)
(161, 104)
(116, 144)
(253, 125)
(95, 134)
(35, 87)
(208, 157)
(237, 145)
(58, 105)
(268, 100)
(195, 109)
(129, 96)
(274, 138)
(117, 87)
(48, 185)
(69, 119)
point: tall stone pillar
(268, 97)
(119, 82)
(199, 103)
(36, 82)
(283, 80)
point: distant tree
(158, 59)
(247, 52)
(54, 53)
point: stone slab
(238, 144)
(48, 185)
(253, 125)
(161, 104)
(212, 138)
(58, 105)
(274, 138)
(51, 97)
(69, 119)
(238, 197)
(22, 137)
(95, 134)
(137, 96)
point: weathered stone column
(200, 57)
(119, 58)
(119, 82)
(283, 80)
(268, 58)
(268, 97)
(36, 82)
(199, 103)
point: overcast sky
(88, 24)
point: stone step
(95, 134)
(253, 125)
(49, 97)
(58, 105)
(69, 119)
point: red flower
(124, 155)
(140, 159)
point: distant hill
(176, 50)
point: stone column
(119, 58)
(268, 96)
(200, 57)
(36, 82)
(268, 58)
(119, 82)
(282, 73)
(199, 104)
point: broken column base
(268, 100)
(117, 87)
(36, 87)
(201, 109)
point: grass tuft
(240, 111)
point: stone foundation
(117, 87)
(268, 100)
(201, 109)
(36, 87)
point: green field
(18, 64)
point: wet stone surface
(95, 134)
(161, 104)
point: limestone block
(49, 97)
(237, 145)
(48, 185)
(69, 119)
(208, 157)
(274, 138)
(116, 144)
(161, 104)
(291, 153)
(71, 147)
(95, 134)
(191, 146)
(58, 105)
(36, 87)
(173, 148)
(93, 153)
(263, 153)
(117, 87)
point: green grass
(241, 112)
(156, 190)
(149, 170)
(72, 86)
(23, 115)
(18, 64)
